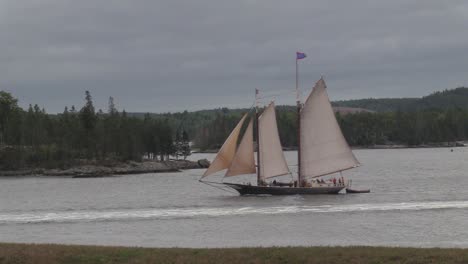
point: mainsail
(323, 147)
(272, 161)
(226, 154)
(244, 161)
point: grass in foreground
(31, 253)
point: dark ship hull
(348, 190)
(275, 190)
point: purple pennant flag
(300, 55)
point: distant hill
(214, 125)
(209, 114)
(350, 110)
(439, 100)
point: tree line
(445, 99)
(34, 138)
(360, 129)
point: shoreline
(459, 144)
(93, 169)
(120, 168)
(55, 253)
(396, 146)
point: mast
(299, 143)
(298, 100)
(257, 137)
(299, 56)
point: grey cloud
(174, 55)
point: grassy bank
(27, 253)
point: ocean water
(419, 197)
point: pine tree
(88, 121)
(185, 146)
(87, 113)
(8, 105)
(111, 108)
(178, 145)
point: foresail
(225, 155)
(272, 161)
(244, 161)
(324, 149)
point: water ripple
(179, 213)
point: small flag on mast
(300, 55)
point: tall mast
(257, 137)
(298, 100)
(299, 56)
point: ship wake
(181, 213)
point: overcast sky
(159, 56)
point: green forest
(34, 138)
(360, 129)
(446, 99)
(31, 137)
(440, 117)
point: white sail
(272, 161)
(244, 161)
(324, 149)
(225, 155)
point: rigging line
(328, 173)
(277, 91)
(284, 174)
(253, 106)
(250, 174)
(212, 184)
(226, 189)
(274, 95)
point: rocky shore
(121, 168)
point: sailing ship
(322, 151)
